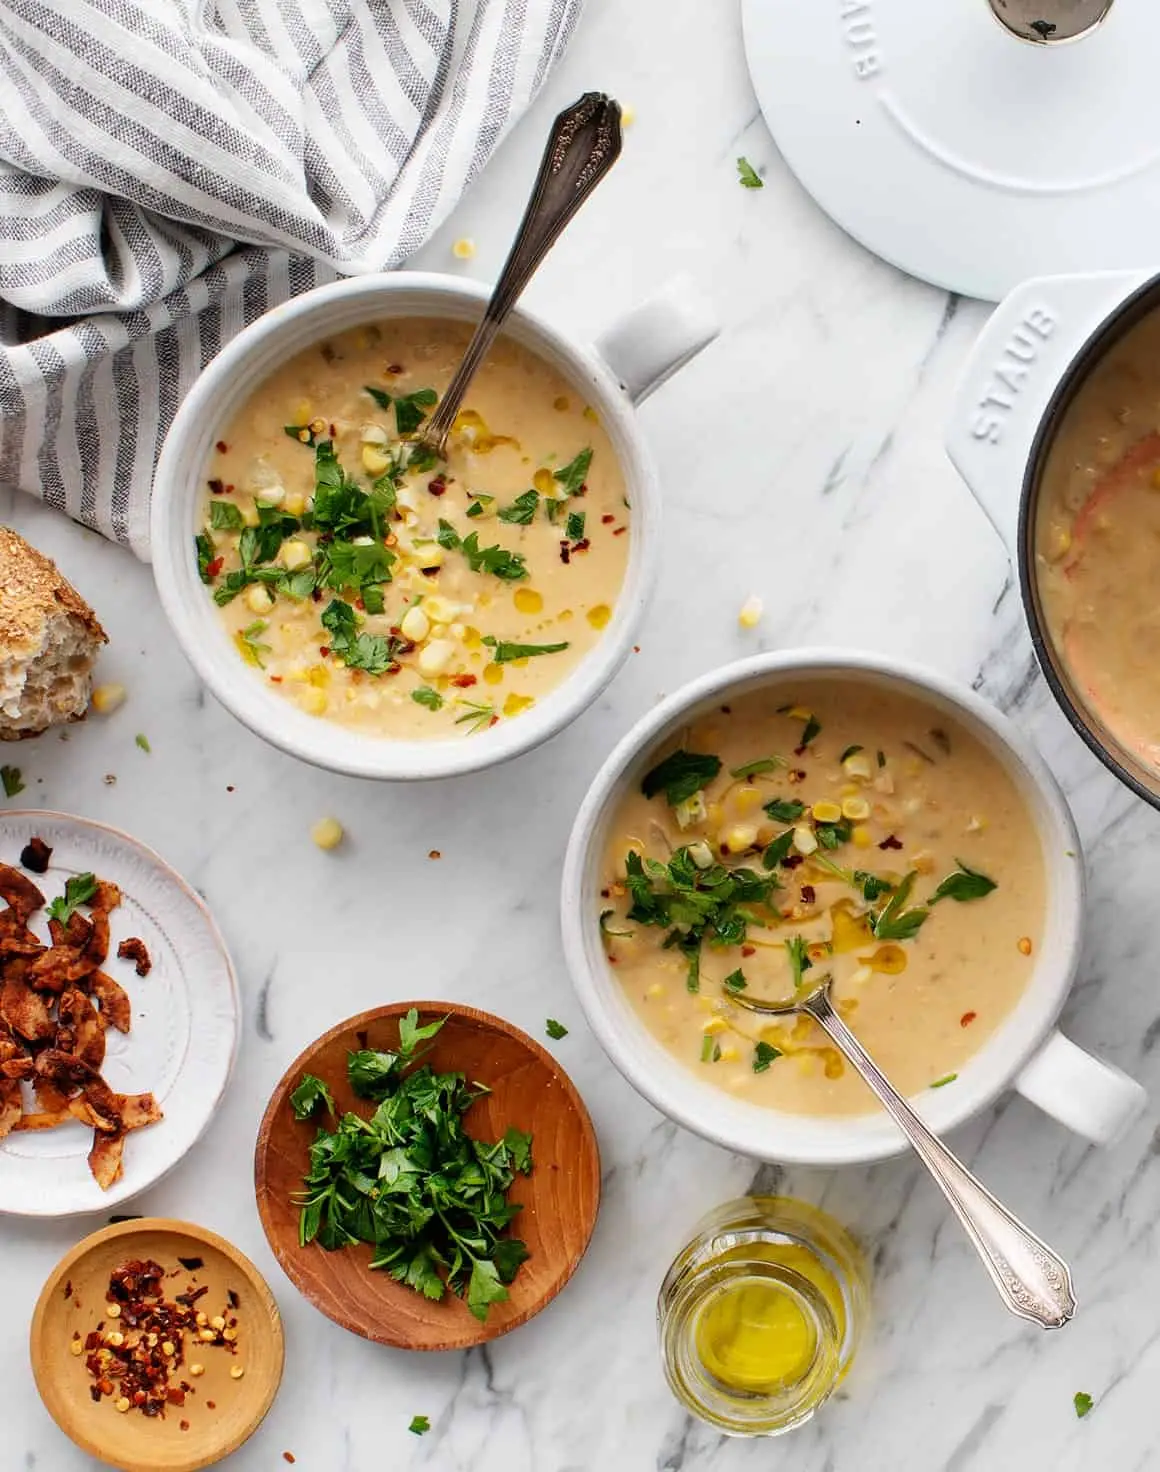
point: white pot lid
(957, 152)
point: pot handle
(1013, 369)
(1090, 1096)
(650, 343)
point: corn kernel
(441, 610)
(737, 838)
(123, 1404)
(295, 503)
(1025, 945)
(923, 861)
(107, 698)
(416, 625)
(826, 812)
(715, 1025)
(327, 833)
(217, 1322)
(201, 1318)
(113, 1310)
(317, 425)
(374, 460)
(237, 1371)
(167, 1348)
(855, 808)
(116, 1339)
(862, 837)
(1058, 543)
(464, 248)
(250, 515)
(751, 610)
(729, 1054)
(295, 554)
(76, 1346)
(436, 656)
(207, 1335)
(196, 1370)
(259, 599)
(313, 702)
(229, 1335)
(430, 554)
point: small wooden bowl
(560, 1198)
(73, 1300)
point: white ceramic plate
(958, 152)
(184, 1034)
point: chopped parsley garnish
(763, 1056)
(778, 850)
(871, 885)
(555, 1029)
(894, 921)
(370, 652)
(249, 641)
(571, 477)
(79, 890)
(497, 560)
(574, 526)
(504, 651)
(309, 1094)
(477, 717)
(710, 1048)
(430, 1199)
(680, 775)
(479, 502)
(748, 175)
(881, 758)
(799, 960)
(411, 409)
(203, 543)
(849, 752)
(811, 728)
(143, 742)
(947, 1078)
(424, 695)
(964, 884)
(380, 396)
(735, 981)
(224, 516)
(420, 1425)
(785, 809)
(522, 511)
(341, 507)
(12, 780)
(300, 432)
(343, 565)
(830, 835)
(759, 767)
(1082, 1402)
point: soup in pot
(371, 584)
(832, 827)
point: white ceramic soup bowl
(626, 364)
(1027, 1052)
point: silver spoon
(1043, 22)
(1033, 1282)
(582, 147)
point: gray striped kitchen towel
(169, 169)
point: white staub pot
(1036, 351)
(625, 365)
(1027, 1052)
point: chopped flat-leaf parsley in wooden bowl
(427, 1175)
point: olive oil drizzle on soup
(831, 827)
(373, 585)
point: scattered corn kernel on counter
(375, 586)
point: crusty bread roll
(49, 640)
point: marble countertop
(801, 459)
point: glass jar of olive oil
(760, 1314)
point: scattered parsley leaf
(947, 1078)
(485, 1288)
(1082, 1402)
(556, 1029)
(748, 176)
(799, 960)
(497, 560)
(758, 768)
(964, 884)
(411, 1034)
(420, 1425)
(503, 651)
(12, 780)
(894, 921)
(763, 1056)
(203, 544)
(310, 1093)
(735, 981)
(249, 642)
(784, 810)
(411, 409)
(572, 476)
(871, 885)
(78, 890)
(811, 728)
(680, 775)
(297, 431)
(424, 695)
(778, 850)
(380, 396)
(143, 742)
(224, 516)
(370, 652)
(522, 511)
(574, 526)
(831, 835)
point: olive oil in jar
(760, 1315)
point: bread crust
(31, 591)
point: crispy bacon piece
(105, 1158)
(115, 1009)
(25, 1011)
(49, 1098)
(138, 1110)
(35, 855)
(69, 1072)
(59, 967)
(81, 1022)
(97, 946)
(18, 1068)
(76, 933)
(133, 948)
(15, 937)
(43, 1120)
(10, 1106)
(19, 891)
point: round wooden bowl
(73, 1301)
(560, 1197)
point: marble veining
(801, 458)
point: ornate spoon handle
(583, 146)
(1034, 1283)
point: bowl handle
(1011, 373)
(647, 345)
(1090, 1096)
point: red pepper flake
(583, 491)
(890, 842)
(749, 950)
(333, 432)
(229, 489)
(437, 486)
(611, 959)
(216, 486)
(791, 861)
(619, 531)
(967, 1018)
(324, 650)
(463, 682)
(636, 649)
(214, 566)
(221, 447)
(605, 894)
(607, 519)
(274, 680)
(183, 1425)
(360, 605)
(797, 775)
(434, 854)
(809, 894)
(394, 369)
(565, 553)
(288, 1457)
(582, 545)
(211, 1405)
(231, 789)
(316, 595)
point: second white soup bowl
(1027, 1052)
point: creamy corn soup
(1097, 542)
(828, 827)
(373, 585)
